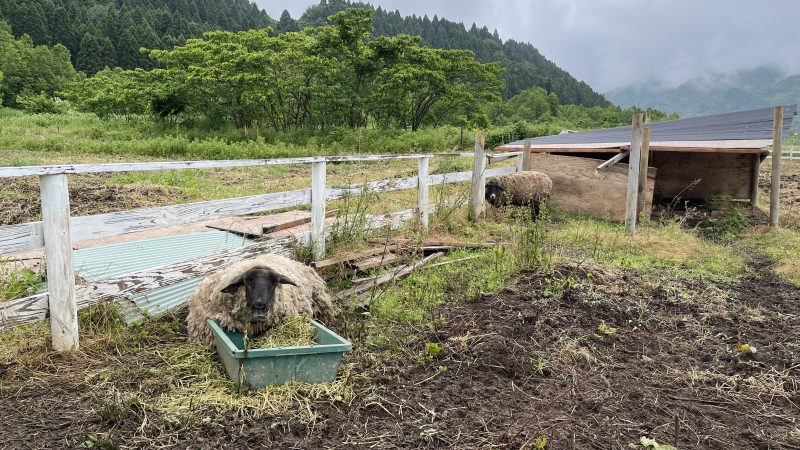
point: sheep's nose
(259, 306)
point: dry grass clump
(782, 246)
(293, 331)
(201, 383)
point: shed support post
(318, 176)
(59, 261)
(423, 184)
(644, 160)
(775, 191)
(478, 178)
(520, 163)
(526, 155)
(756, 167)
(633, 173)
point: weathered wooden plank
(641, 185)
(60, 264)
(732, 144)
(775, 189)
(578, 187)
(633, 173)
(526, 155)
(34, 308)
(110, 224)
(353, 256)
(478, 179)
(318, 199)
(6, 172)
(378, 280)
(375, 261)
(422, 192)
(28, 236)
(615, 159)
(698, 176)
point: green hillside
(101, 33)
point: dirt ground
(89, 194)
(586, 357)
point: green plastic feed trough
(271, 366)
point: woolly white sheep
(521, 189)
(253, 295)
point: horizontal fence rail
(32, 236)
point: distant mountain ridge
(714, 93)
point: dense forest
(524, 66)
(100, 33)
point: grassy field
(571, 334)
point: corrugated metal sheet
(742, 125)
(116, 260)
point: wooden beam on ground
(378, 280)
(390, 247)
(271, 228)
(633, 173)
(775, 191)
(59, 261)
(754, 175)
(478, 179)
(375, 261)
(411, 243)
(644, 160)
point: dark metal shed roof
(755, 124)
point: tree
(96, 52)
(286, 24)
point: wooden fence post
(644, 161)
(633, 173)
(478, 178)
(318, 176)
(775, 191)
(423, 184)
(526, 155)
(59, 261)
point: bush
(40, 103)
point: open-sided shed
(692, 158)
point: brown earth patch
(541, 359)
(89, 194)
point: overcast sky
(612, 43)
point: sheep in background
(253, 295)
(520, 189)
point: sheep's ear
(285, 280)
(231, 288)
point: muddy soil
(89, 194)
(584, 358)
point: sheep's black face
(495, 195)
(259, 285)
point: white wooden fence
(57, 230)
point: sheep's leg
(535, 211)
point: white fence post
(775, 190)
(423, 186)
(478, 178)
(633, 173)
(59, 262)
(318, 176)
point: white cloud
(610, 43)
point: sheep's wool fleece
(525, 187)
(310, 297)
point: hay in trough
(295, 331)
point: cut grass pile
(295, 331)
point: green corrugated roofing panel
(116, 260)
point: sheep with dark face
(253, 295)
(520, 189)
